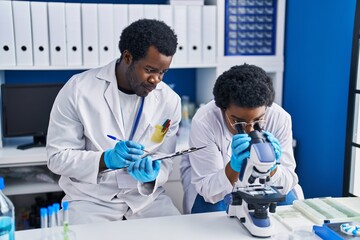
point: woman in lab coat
(242, 94)
(126, 99)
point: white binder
(40, 33)
(194, 24)
(73, 34)
(90, 40)
(106, 34)
(151, 11)
(56, 11)
(209, 34)
(23, 37)
(120, 22)
(136, 12)
(180, 27)
(166, 14)
(7, 39)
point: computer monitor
(26, 111)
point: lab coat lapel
(151, 104)
(111, 95)
(228, 138)
(227, 146)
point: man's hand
(144, 170)
(123, 154)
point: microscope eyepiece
(239, 129)
(257, 127)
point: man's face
(246, 117)
(144, 74)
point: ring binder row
(84, 34)
(250, 27)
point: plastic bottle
(7, 215)
(185, 108)
(184, 129)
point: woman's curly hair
(246, 86)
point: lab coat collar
(228, 135)
(107, 72)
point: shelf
(20, 186)
(13, 157)
(19, 68)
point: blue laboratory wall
(182, 80)
(317, 67)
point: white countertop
(209, 226)
(216, 225)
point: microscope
(252, 196)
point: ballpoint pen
(117, 139)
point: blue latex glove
(124, 153)
(145, 169)
(240, 151)
(275, 143)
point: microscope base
(256, 227)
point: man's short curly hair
(143, 33)
(245, 86)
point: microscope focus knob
(251, 179)
(268, 178)
(272, 207)
(262, 180)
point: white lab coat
(203, 171)
(87, 109)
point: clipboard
(162, 156)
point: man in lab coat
(106, 178)
(243, 96)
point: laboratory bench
(215, 225)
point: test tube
(65, 206)
(44, 217)
(56, 208)
(44, 222)
(51, 217)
